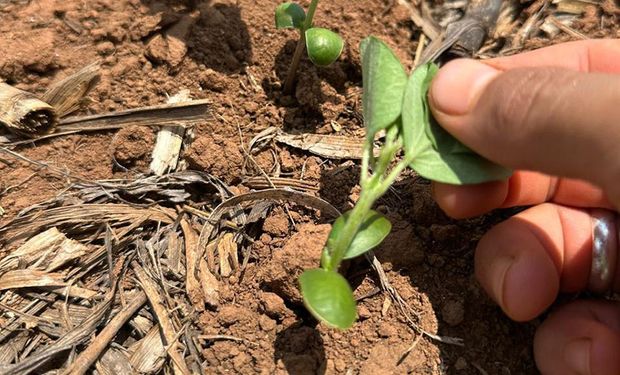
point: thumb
(557, 121)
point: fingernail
(458, 85)
(577, 356)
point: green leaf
(290, 16)
(384, 80)
(328, 296)
(436, 154)
(324, 46)
(375, 227)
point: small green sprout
(397, 104)
(323, 46)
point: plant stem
(299, 50)
(373, 187)
(351, 227)
(367, 155)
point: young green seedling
(397, 104)
(323, 46)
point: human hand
(550, 112)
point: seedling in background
(397, 104)
(323, 46)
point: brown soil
(236, 59)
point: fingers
(582, 338)
(524, 188)
(597, 55)
(553, 120)
(524, 262)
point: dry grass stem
(22, 113)
(86, 358)
(168, 331)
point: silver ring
(604, 250)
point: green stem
(351, 227)
(299, 50)
(373, 187)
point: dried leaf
(66, 96)
(17, 279)
(114, 361)
(149, 353)
(26, 254)
(327, 146)
(261, 183)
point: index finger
(588, 56)
(524, 188)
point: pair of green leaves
(323, 46)
(393, 99)
(326, 293)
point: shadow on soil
(219, 39)
(318, 95)
(436, 254)
(301, 349)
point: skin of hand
(549, 112)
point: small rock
(460, 364)
(276, 223)
(363, 313)
(266, 323)
(229, 315)
(250, 107)
(386, 330)
(340, 365)
(436, 260)
(273, 305)
(105, 48)
(453, 312)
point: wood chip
(573, 6)
(165, 156)
(49, 250)
(228, 254)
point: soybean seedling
(324, 46)
(396, 104)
